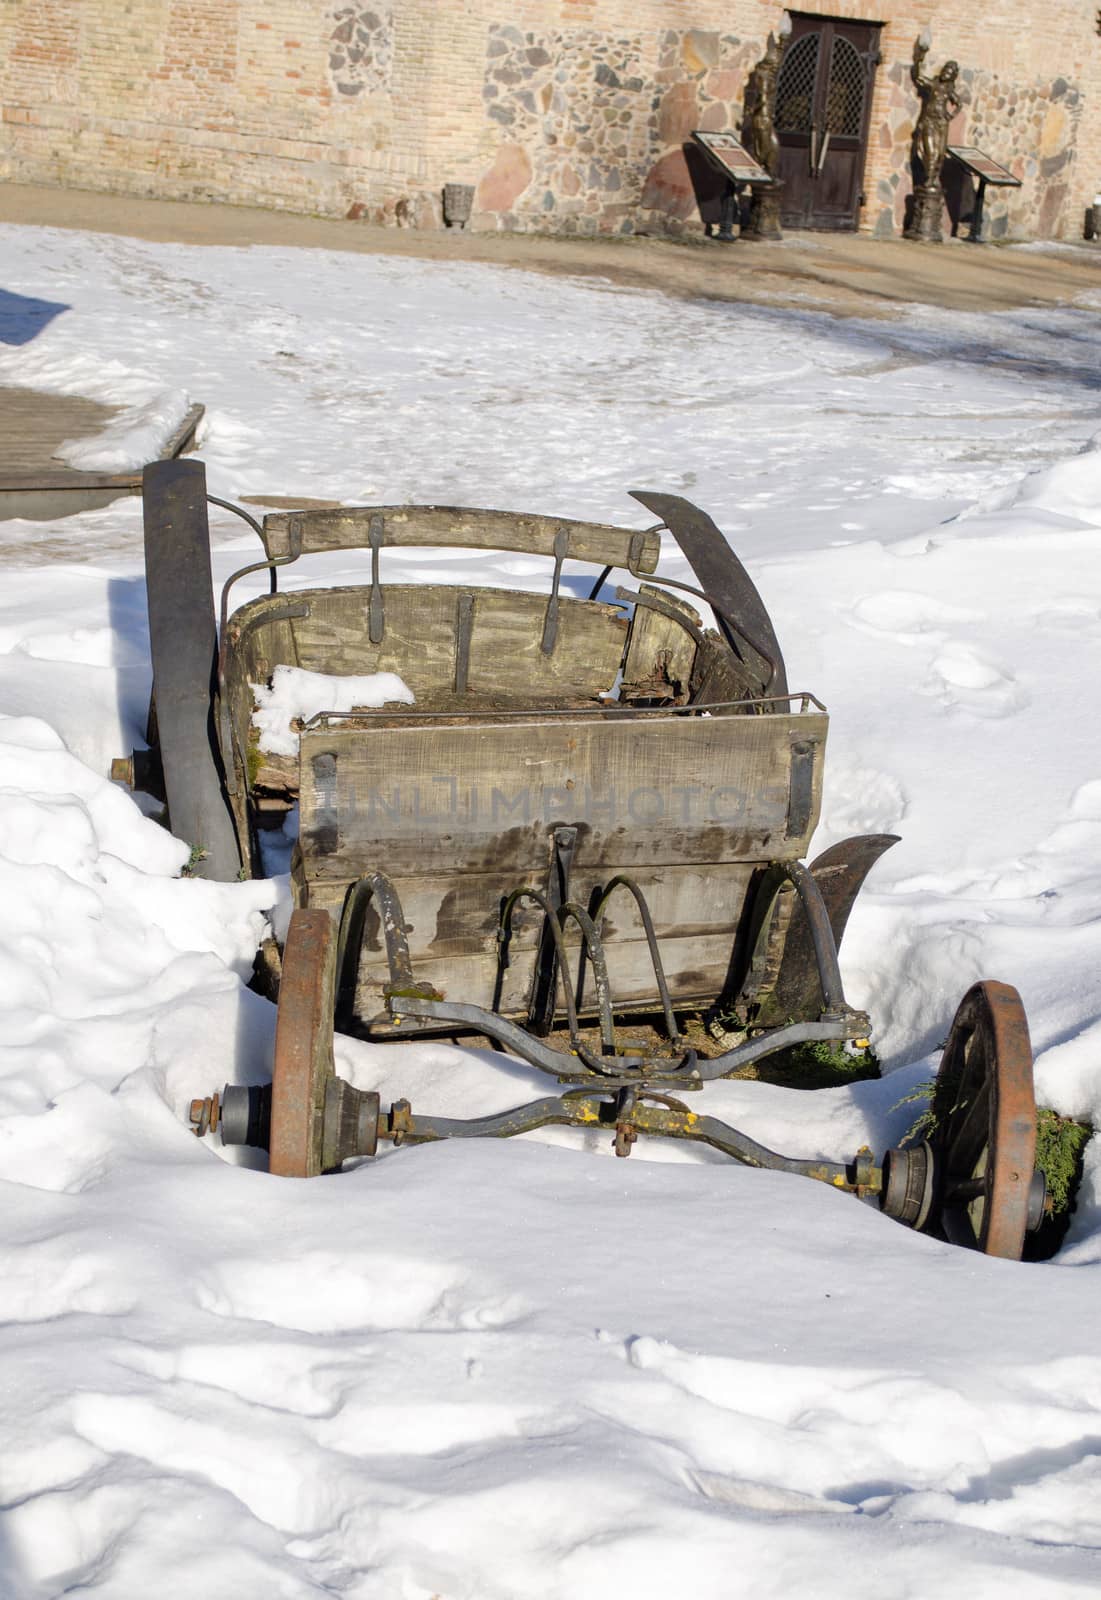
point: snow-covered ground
(493, 1370)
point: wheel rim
(303, 1046)
(985, 1109)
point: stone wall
(566, 115)
(573, 107)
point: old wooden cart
(594, 814)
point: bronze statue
(760, 105)
(939, 104)
(764, 146)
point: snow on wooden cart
(583, 841)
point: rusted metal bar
(464, 628)
(821, 933)
(593, 945)
(376, 624)
(625, 882)
(553, 928)
(665, 608)
(573, 1067)
(294, 550)
(562, 1064)
(667, 1119)
(547, 962)
(550, 620)
(609, 708)
(839, 872)
(403, 984)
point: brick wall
(566, 115)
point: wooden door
(823, 105)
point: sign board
(982, 166)
(730, 155)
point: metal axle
(354, 1123)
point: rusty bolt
(625, 1137)
(204, 1115)
(401, 1122)
(122, 770)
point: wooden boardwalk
(36, 425)
(35, 485)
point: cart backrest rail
(358, 527)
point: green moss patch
(254, 760)
(1060, 1145)
(824, 1064)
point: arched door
(823, 106)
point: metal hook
(550, 621)
(376, 623)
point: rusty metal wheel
(984, 1143)
(318, 1121)
(303, 1046)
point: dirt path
(846, 274)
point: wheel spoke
(969, 1130)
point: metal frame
(414, 1008)
(612, 709)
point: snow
(295, 693)
(138, 434)
(524, 1368)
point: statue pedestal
(925, 224)
(764, 213)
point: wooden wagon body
(582, 840)
(555, 743)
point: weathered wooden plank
(69, 478)
(718, 675)
(261, 636)
(506, 647)
(80, 419)
(183, 434)
(257, 633)
(418, 640)
(446, 526)
(420, 634)
(660, 652)
(651, 791)
(279, 774)
(36, 423)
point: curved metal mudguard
(839, 873)
(183, 643)
(740, 611)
